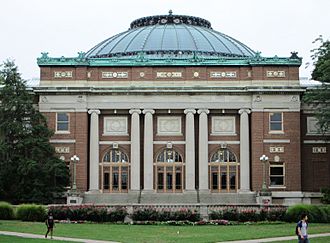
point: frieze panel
(62, 150)
(276, 149)
(319, 150)
(114, 74)
(169, 125)
(275, 74)
(231, 74)
(223, 125)
(169, 74)
(63, 74)
(116, 125)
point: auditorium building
(172, 111)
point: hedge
(316, 213)
(6, 211)
(88, 213)
(31, 212)
(152, 214)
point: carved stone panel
(169, 125)
(223, 125)
(114, 74)
(116, 125)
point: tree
(319, 97)
(29, 170)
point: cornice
(143, 60)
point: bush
(248, 215)
(325, 195)
(6, 211)
(88, 213)
(151, 214)
(315, 213)
(215, 215)
(276, 214)
(230, 214)
(31, 212)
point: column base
(93, 191)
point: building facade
(172, 111)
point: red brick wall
(291, 156)
(78, 131)
(315, 166)
(150, 73)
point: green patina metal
(143, 60)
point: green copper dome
(170, 36)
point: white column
(244, 150)
(203, 149)
(135, 149)
(148, 149)
(94, 151)
(190, 149)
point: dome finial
(170, 12)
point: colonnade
(189, 149)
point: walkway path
(275, 239)
(27, 235)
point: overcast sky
(65, 27)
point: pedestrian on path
(50, 225)
(302, 226)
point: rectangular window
(276, 122)
(276, 174)
(106, 182)
(62, 122)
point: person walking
(50, 225)
(302, 226)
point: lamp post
(264, 160)
(75, 159)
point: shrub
(116, 214)
(325, 195)
(88, 213)
(247, 215)
(151, 214)
(145, 214)
(316, 213)
(276, 214)
(31, 212)
(6, 210)
(214, 215)
(230, 214)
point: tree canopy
(319, 97)
(29, 169)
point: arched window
(169, 171)
(223, 171)
(115, 171)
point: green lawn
(160, 234)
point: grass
(161, 234)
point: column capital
(186, 111)
(96, 111)
(244, 110)
(206, 111)
(151, 111)
(132, 111)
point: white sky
(65, 27)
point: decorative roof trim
(142, 59)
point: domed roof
(170, 36)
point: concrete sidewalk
(276, 239)
(27, 235)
